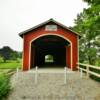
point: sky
(19, 15)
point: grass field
(10, 65)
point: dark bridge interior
(54, 47)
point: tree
(1, 58)
(14, 55)
(19, 54)
(6, 53)
(88, 25)
(9, 54)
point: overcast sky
(19, 15)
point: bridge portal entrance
(50, 43)
(49, 50)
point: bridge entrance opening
(49, 51)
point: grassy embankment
(6, 70)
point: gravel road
(50, 86)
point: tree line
(6, 53)
(88, 25)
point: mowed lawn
(10, 65)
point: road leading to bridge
(50, 86)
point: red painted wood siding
(68, 56)
(41, 31)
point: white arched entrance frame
(53, 35)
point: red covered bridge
(50, 38)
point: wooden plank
(93, 73)
(82, 69)
(95, 67)
(87, 71)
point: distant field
(10, 65)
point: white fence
(36, 72)
(36, 75)
(86, 69)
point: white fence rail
(87, 69)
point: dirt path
(52, 87)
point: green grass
(4, 86)
(6, 70)
(10, 65)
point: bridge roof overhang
(45, 23)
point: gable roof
(44, 23)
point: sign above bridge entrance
(51, 28)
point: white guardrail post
(17, 70)
(87, 68)
(36, 72)
(65, 77)
(81, 74)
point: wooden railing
(87, 69)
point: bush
(4, 86)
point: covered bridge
(50, 38)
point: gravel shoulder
(50, 86)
